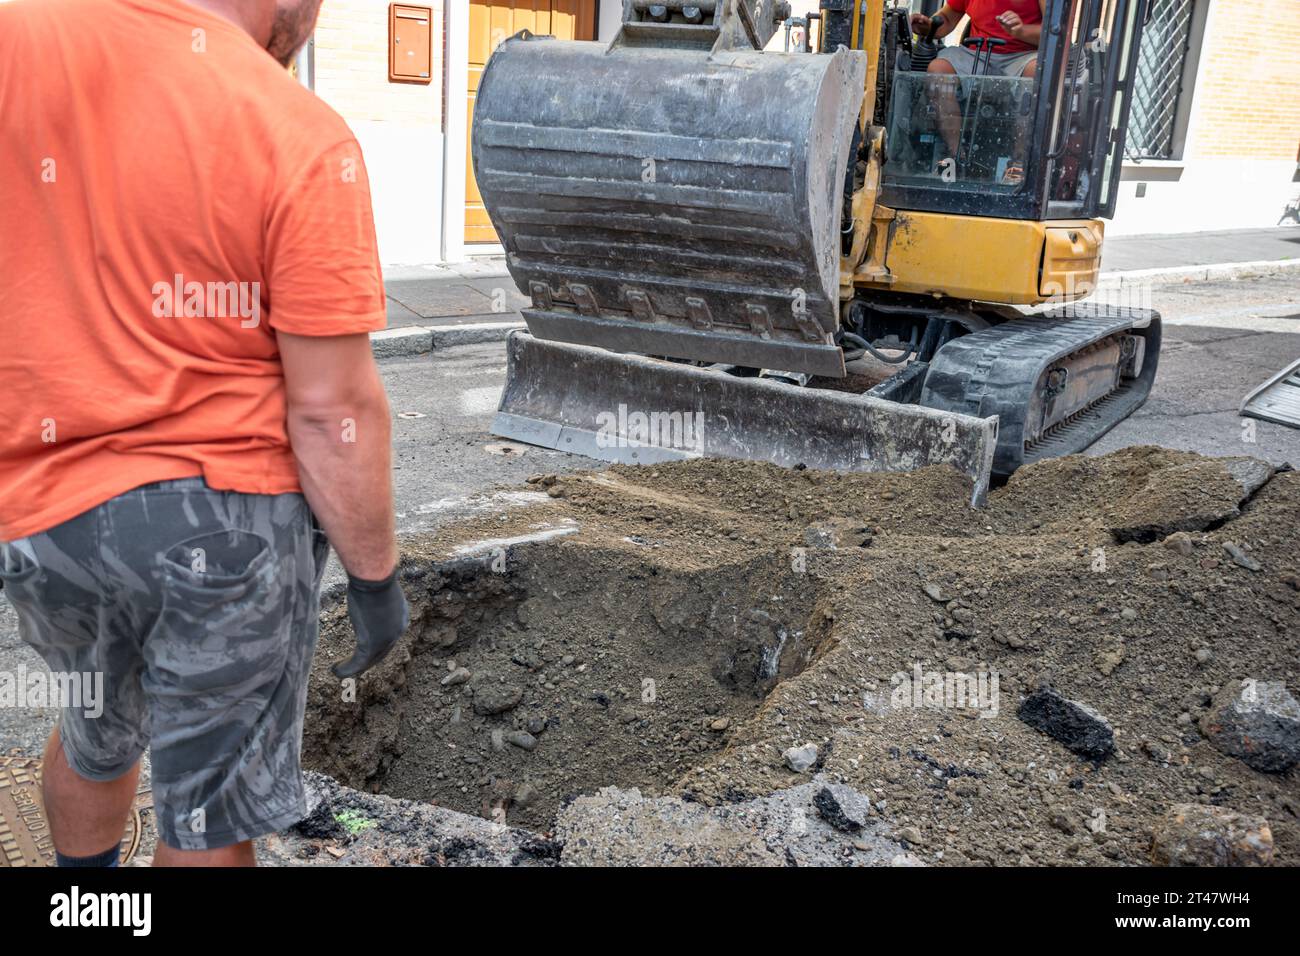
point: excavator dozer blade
(634, 409)
(669, 201)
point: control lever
(984, 47)
(927, 47)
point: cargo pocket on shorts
(320, 555)
(224, 624)
(16, 565)
(20, 574)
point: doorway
(491, 22)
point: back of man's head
(282, 26)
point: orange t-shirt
(169, 198)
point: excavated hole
(626, 672)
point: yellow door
(490, 22)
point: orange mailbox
(410, 43)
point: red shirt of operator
(1017, 22)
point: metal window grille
(1158, 81)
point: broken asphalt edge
(422, 340)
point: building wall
(1239, 163)
(1249, 87)
(609, 18)
(399, 125)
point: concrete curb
(422, 340)
(1206, 273)
(475, 333)
(407, 340)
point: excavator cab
(1058, 127)
(709, 228)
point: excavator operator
(1002, 41)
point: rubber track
(995, 371)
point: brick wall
(352, 66)
(1248, 82)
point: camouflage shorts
(199, 607)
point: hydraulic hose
(857, 340)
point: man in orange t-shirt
(188, 277)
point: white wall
(399, 125)
(1208, 187)
(405, 167)
(1208, 194)
(611, 15)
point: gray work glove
(379, 617)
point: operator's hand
(1012, 23)
(921, 24)
(379, 616)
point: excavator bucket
(668, 201)
(678, 195)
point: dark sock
(106, 859)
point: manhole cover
(24, 831)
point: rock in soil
(1076, 725)
(1257, 722)
(842, 807)
(1194, 835)
(801, 759)
(459, 676)
(1240, 557)
(522, 739)
(496, 699)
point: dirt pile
(679, 628)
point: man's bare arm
(341, 432)
(921, 22)
(1024, 32)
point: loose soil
(688, 623)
